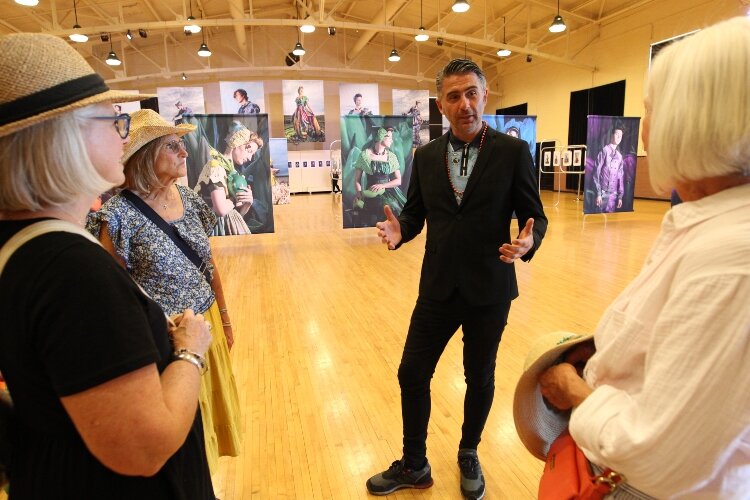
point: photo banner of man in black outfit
(465, 186)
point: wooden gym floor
(320, 315)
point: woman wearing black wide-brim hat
(105, 402)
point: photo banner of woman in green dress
(229, 166)
(376, 154)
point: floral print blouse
(152, 258)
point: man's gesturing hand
(517, 248)
(389, 231)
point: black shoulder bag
(169, 230)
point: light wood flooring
(320, 316)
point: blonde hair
(254, 137)
(700, 107)
(139, 169)
(47, 165)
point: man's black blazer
(463, 241)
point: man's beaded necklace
(447, 167)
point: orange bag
(568, 474)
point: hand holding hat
(538, 423)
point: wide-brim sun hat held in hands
(538, 423)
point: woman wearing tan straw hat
(665, 401)
(105, 404)
(138, 226)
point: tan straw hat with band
(145, 126)
(537, 423)
(41, 76)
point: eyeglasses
(175, 146)
(121, 121)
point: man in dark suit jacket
(466, 186)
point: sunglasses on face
(121, 122)
(175, 146)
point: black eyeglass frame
(123, 117)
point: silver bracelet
(191, 357)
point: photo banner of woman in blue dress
(376, 154)
(609, 178)
(229, 166)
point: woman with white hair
(105, 394)
(665, 401)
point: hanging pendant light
(112, 58)
(77, 36)
(422, 36)
(460, 6)
(504, 52)
(191, 26)
(298, 49)
(558, 25)
(204, 51)
(394, 57)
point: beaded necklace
(448, 169)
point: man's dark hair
(241, 92)
(356, 95)
(459, 67)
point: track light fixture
(460, 6)
(77, 36)
(422, 36)
(104, 37)
(331, 30)
(112, 58)
(129, 34)
(184, 76)
(558, 25)
(191, 25)
(504, 52)
(143, 33)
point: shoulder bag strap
(51, 226)
(169, 230)
(30, 232)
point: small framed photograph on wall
(567, 158)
